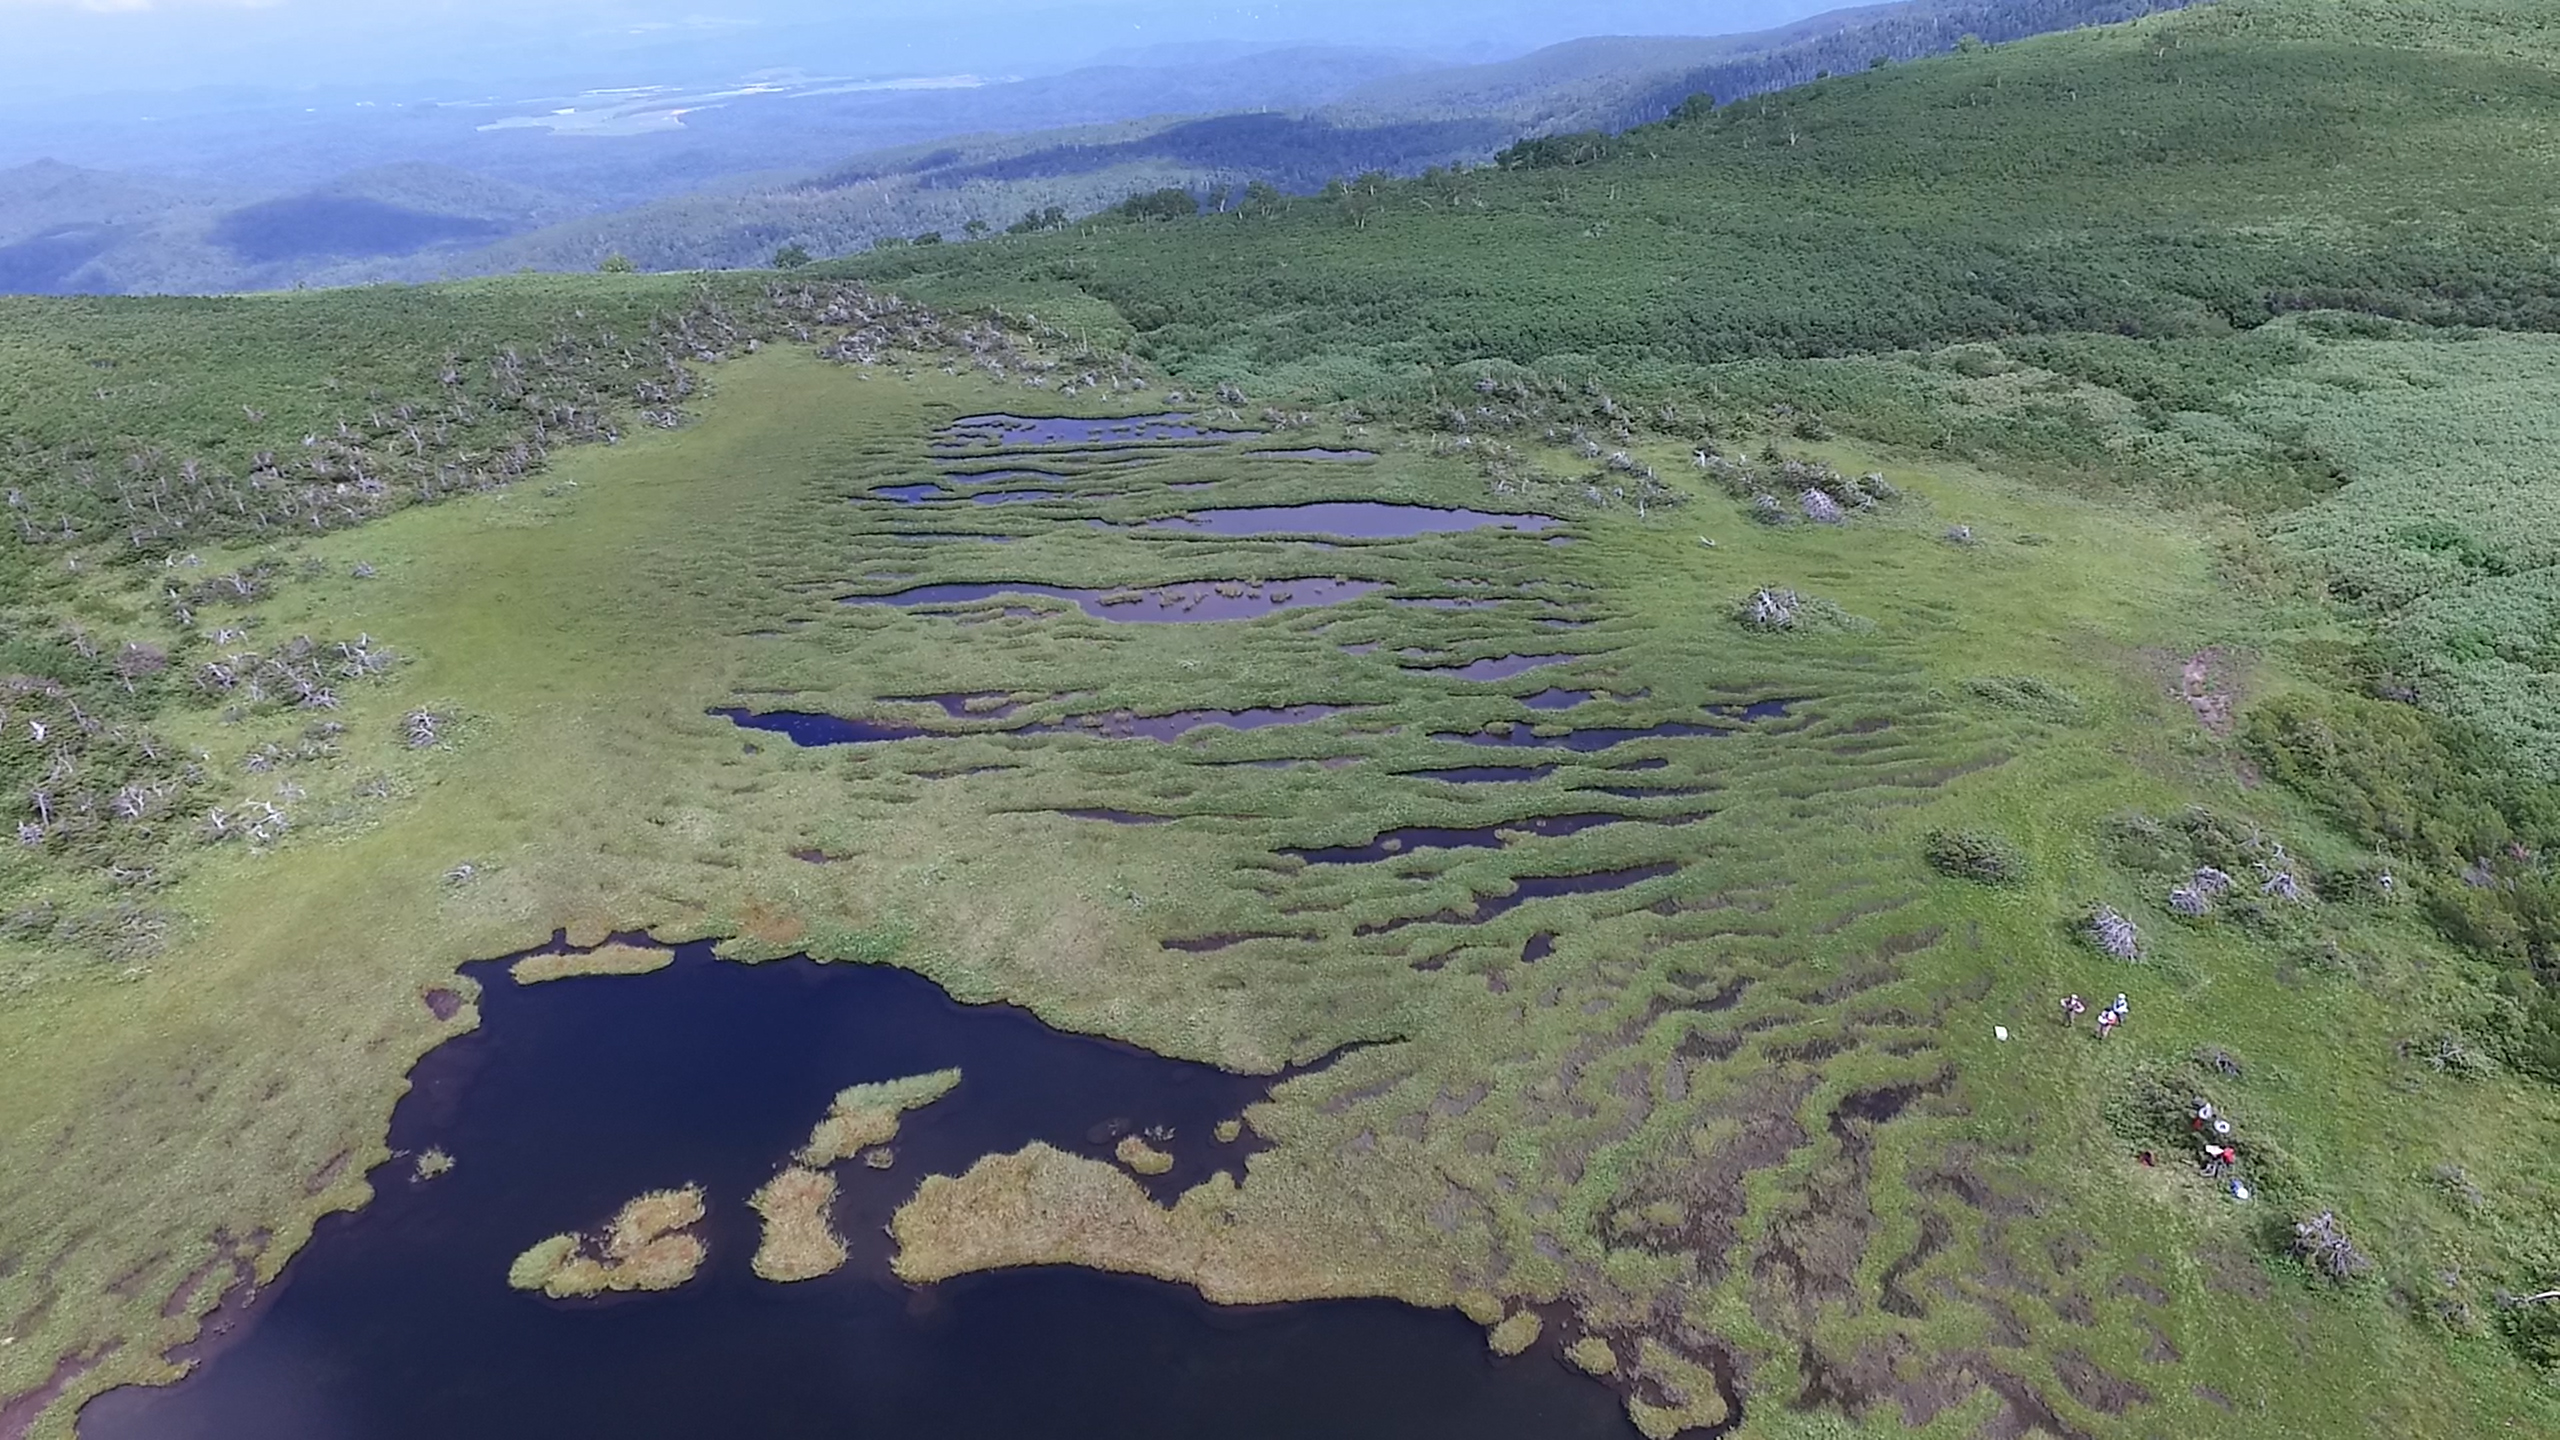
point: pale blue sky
(93, 46)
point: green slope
(2183, 175)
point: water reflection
(396, 1323)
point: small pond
(396, 1323)
(1197, 600)
(1497, 667)
(1348, 520)
(1011, 431)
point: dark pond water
(1528, 888)
(1347, 520)
(1117, 817)
(963, 705)
(1484, 774)
(909, 494)
(809, 728)
(806, 728)
(1498, 667)
(989, 477)
(1389, 844)
(1007, 431)
(1556, 699)
(1121, 725)
(1585, 740)
(397, 1324)
(1196, 601)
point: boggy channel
(396, 1323)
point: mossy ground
(1751, 1104)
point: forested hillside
(732, 183)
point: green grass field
(1657, 1124)
(1699, 1066)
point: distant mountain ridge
(1290, 117)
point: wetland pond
(1199, 600)
(1349, 520)
(396, 1322)
(1012, 431)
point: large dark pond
(397, 1324)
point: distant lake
(396, 1323)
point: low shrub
(1975, 855)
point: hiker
(2122, 1006)
(2073, 1007)
(2108, 1020)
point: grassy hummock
(1141, 1157)
(1515, 1333)
(800, 1241)
(867, 1115)
(614, 959)
(646, 1246)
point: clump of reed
(648, 1245)
(1516, 1333)
(1592, 1354)
(800, 1240)
(1134, 1152)
(867, 1115)
(614, 959)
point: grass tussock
(867, 1115)
(1042, 1206)
(1592, 1354)
(614, 959)
(647, 1246)
(1134, 1152)
(1515, 1334)
(800, 1240)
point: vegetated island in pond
(648, 1245)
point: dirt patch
(2207, 681)
(442, 1003)
(2211, 1396)
(2141, 1289)
(128, 1284)
(1897, 1298)
(767, 925)
(1709, 1190)
(2162, 1350)
(1850, 1386)
(327, 1175)
(2236, 1270)
(2094, 1387)
(2023, 1412)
